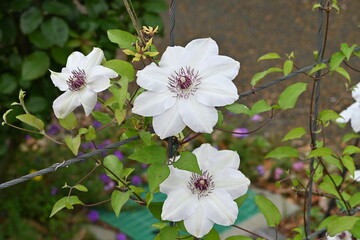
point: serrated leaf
(318, 67)
(61, 203)
(123, 68)
(341, 224)
(188, 162)
(122, 38)
(32, 121)
(288, 66)
(112, 162)
(240, 200)
(349, 163)
(327, 115)
(289, 96)
(336, 59)
(81, 187)
(118, 199)
(269, 56)
(169, 233)
(238, 108)
(150, 154)
(259, 107)
(258, 76)
(73, 143)
(294, 133)
(343, 72)
(269, 210)
(157, 173)
(319, 152)
(34, 66)
(283, 152)
(69, 122)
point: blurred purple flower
(256, 118)
(97, 124)
(93, 215)
(298, 166)
(277, 173)
(144, 165)
(104, 178)
(240, 130)
(121, 236)
(97, 106)
(104, 143)
(119, 154)
(54, 191)
(260, 169)
(53, 129)
(87, 145)
(109, 186)
(28, 137)
(136, 180)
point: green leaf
(120, 115)
(349, 136)
(60, 54)
(259, 107)
(346, 50)
(73, 143)
(258, 76)
(289, 96)
(37, 104)
(169, 233)
(35, 66)
(5, 115)
(349, 163)
(269, 210)
(354, 200)
(343, 72)
(118, 199)
(315, 6)
(112, 162)
(104, 118)
(239, 237)
(341, 224)
(336, 59)
(326, 221)
(320, 152)
(288, 66)
(212, 235)
(150, 154)
(91, 134)
(30, 20)
(60, 204)
(81, 187)
(149, 197)
(283, 152)
(188, 162)
(318, 67)
(220, 118)
(123, 68)
(58, 8)
(56, 31)
(269, 56)
(122, 38)
(32, 121)
(145, 137)
(327, 115)
(355, 231)
(157, 173)
(333, 160)
(351, 150)
(156, 209)
(294, 133)
(39, 40)
(240, 200)
(238, 108)
(329, 188)
(8, 84)
(319, 173)
(69, 122)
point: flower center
(184, 82)
(77, 80)
(201, 185)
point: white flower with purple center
(352, 113)
(202, 200)
(81, 79)
(185, 88)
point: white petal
(154, 78)
(233, 181)
(357, 175)
(355, 118)
(75, 60)
(169, 123)
(88, 99)
(198, 49)
(171, 57)
(198, 224)
(66, 103)
(101, 70)
(59, 80)
(151, 103)
(216, 91)
(225, 159)
(356, 92)
(219, 65)
(93, 59)
(198, 117)
(348, 113)
(179, 204)
(205, 156)
(176, 178)
(99, 83)
(220, 208)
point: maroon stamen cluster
(184, 82)
(77, 80)
(201, 185)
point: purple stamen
(77, 80)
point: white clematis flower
(346, 235)
(81, 79)
(352, 113)
(185, 88)
(202, 200)
(356, 175)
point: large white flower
(81, 79)
(185, 88)
(202, 200)
(352, 113)
(346, 235)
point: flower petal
(219, 65)
(219, 207)
(93, 59)
(75, 60)
(233, 181)
(356, 92)
(198, 224)
(171, 57)
(176, 178)
(216, 91)
(198, 117)
(179, 204)
(151, 103)
(99, 83)
(169, 123)
(205, 156)
(154, 78)
(101, 70)
(88, 99)
(66, 103)
(348, 113)
(225, 159)
(355, 118)
(59, 80)
(198, 49)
